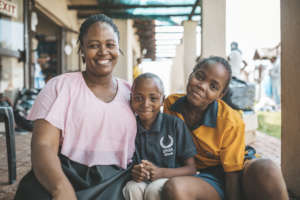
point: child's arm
(139, 173)
(155, 172)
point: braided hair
(213, 60)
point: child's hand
(139, 173)
(155, 172)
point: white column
(123, 69)
(177, 72)
(213, 28)
(190, 47)
(290, 70)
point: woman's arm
(155, 172)
(45, 162)
(232, 185)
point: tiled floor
(265, 145)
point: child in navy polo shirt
(164, 145)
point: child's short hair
(153, 77)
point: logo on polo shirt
(166, 145)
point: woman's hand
(155, 172)
(139, 173)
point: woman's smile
(103, 61)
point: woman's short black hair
(90, 21)
(216, 59)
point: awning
(167, 11)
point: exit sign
(8, 8)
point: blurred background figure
(236, 61)
(274, 73)
(136, 68)
(5, 101)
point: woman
(81, 148)
(218, 133)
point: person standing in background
(275, 79)
(236, 61)
(136, 68)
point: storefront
(36, 37)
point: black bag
(240, 95)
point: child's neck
(147, 124)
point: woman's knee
(30, 188)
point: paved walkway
(267, 146)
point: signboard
(8, 8)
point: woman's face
(100, 48)
(206, 84)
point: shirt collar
(155, 126)
(210, 115)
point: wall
(57, 10)
(72, 60)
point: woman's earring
(83, 58)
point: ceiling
(147, 14)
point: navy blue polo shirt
(167, 144)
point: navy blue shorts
(214, 176)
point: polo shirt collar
(210, 115)
(154, 128)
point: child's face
(146, 99)
(100, 48)
(207, 84)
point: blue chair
(7, 116)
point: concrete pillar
(213, 28)
(190, 47)
(290, 72)
(123, 69)
(177, 72)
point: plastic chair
(6, 116)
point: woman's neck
(92, 80)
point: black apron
(101, 182)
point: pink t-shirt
(93, 132)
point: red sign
(8, 8)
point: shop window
(11, 27)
